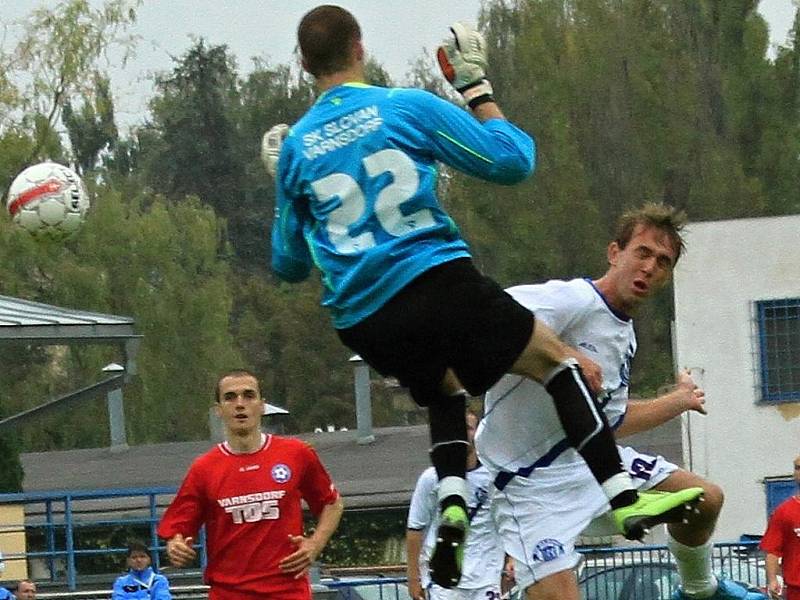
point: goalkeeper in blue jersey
(356, 181)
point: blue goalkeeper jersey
(356, 191)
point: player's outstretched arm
(643, 415)
(484, 144)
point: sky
(395, 33)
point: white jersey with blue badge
(483, 553)
(521, 429)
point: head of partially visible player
(642, 256)
(797, 473)
(329, 38)
(239, 405)
(138, 556)
(26, 590)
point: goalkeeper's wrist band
(477, 93)
(476, 102)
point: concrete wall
(728, 266)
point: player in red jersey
(247, 491)
(782, 542)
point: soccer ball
(48, 200)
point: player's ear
(612, 253)
(218, 409)
(358, 51)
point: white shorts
(540, 517)
(490, 592)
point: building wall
(12, 542)
(729, 265)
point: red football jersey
(783, 539)
(250, 504)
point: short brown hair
(665, 218)
(326, 35)
(235, 373)
(137, 546)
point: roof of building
(23, 320)
(382, 473)
(374, 475)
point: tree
(92, 130)
(11, 471)
(162, 264)
(193, 147)
(194, 152)
(59, 54)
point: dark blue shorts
(451, 316)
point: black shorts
(451, 316)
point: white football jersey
(483, 554)
(520, 427)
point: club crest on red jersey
(281, 473)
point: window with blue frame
(777, 491)
(778, 324)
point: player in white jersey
(545, 494)
(483, 553)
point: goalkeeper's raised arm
(463, 61)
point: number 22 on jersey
(388, 205)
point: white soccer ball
(48, 200)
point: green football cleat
(448, 555)
(653, 508)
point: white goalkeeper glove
(463, 63)
(271, 146)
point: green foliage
(191, 148)
(11, 472)
(163, 265)
(91, 130)
(628, 101)
(366, 538)
(58, 55)
(174, 282)
(375, 74)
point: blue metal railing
(60, 516)
(379, 588)
(56, 524)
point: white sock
(694, 568)
(452, 486)
(616, 484)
